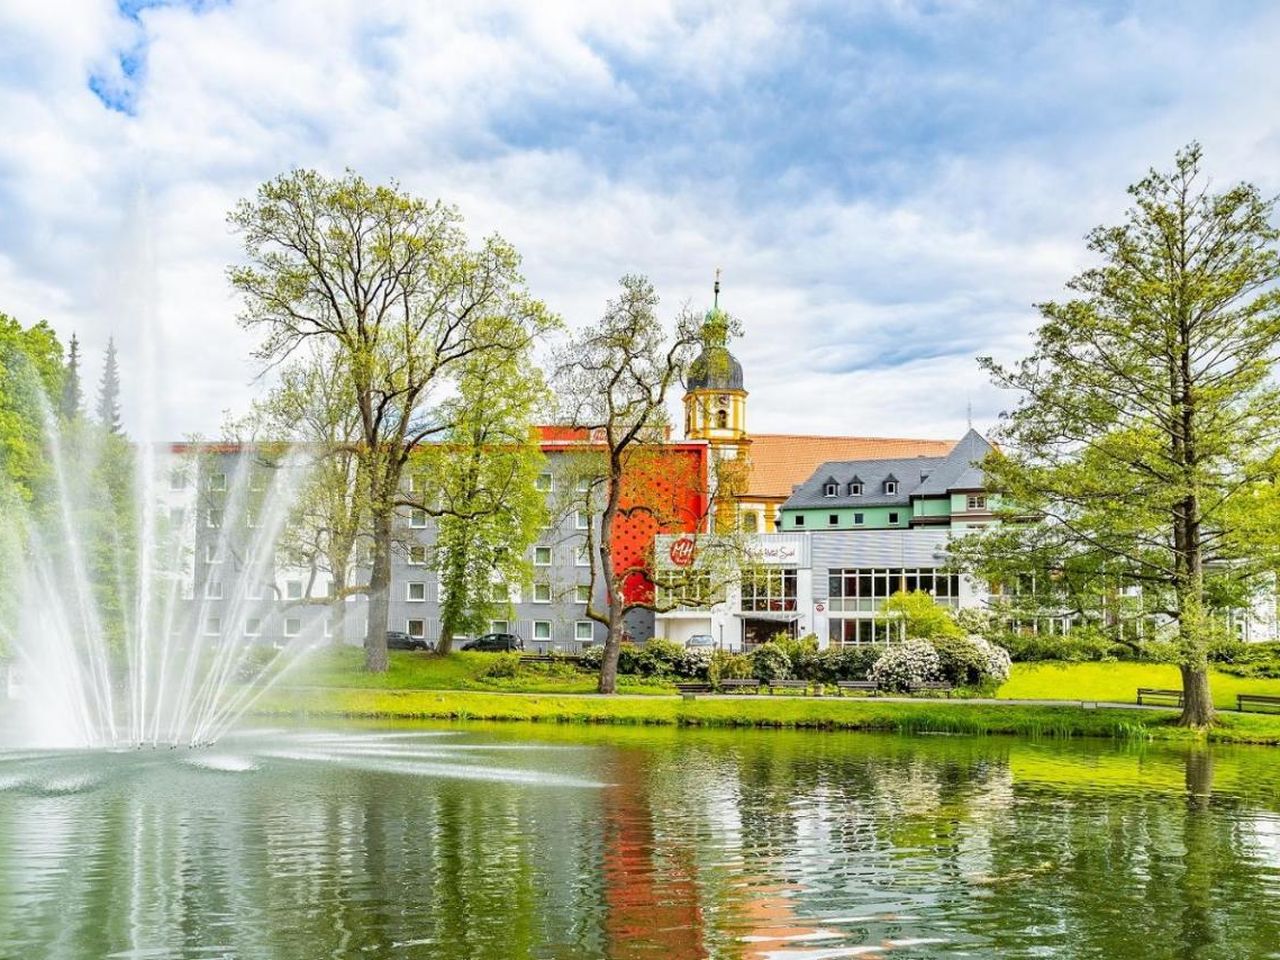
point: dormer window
(890, 487)
(830, 488)
(855, 488)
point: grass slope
(1118, 682)
(794, 712)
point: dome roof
(714, 369)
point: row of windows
(583, 630)
(769, 589)
(833, 519)
(855, 487)
(884, 582)
(854, 632)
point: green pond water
(515, 841)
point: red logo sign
(682, 552)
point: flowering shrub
(770, 662)
(729, 666)
(998, 661)
(694, 664)
(901, 665)
(592, 657)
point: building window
(890, 487)
(253, 627)
(750, 522)
(542, 593)
(417, 555)
(584, 631)
(176, 516)
(976, 502)
(857, 519)
(416, 591)
(211, 553)
(293, 590)
(292, 626)
(417, 518)
(253, 590)
(177, 479)
(499, 626)
(213, 626)
(581, 521)
(582, 593)
(544, 482)
(830, 489)
(583, 485)
(893, 518)
(213, 590)
(582, 558)
(722, 419)
(328, 626)
(213, 519)
(833, 519)
(799, 520)
(769, 589)
(217, 481)
(251, 519)
(257, 481)
(855, 488)
(499, 593)
(542, 629)
(416, 628)
(542, 556)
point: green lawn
(827, 713)
(1118, 682)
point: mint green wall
(960, 502)
(873, 518)
(932, 507)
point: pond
(526, 841)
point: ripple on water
(222, 763)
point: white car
(700, 641)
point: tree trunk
(338, 621)
(375, 638)
(612, 647)
(1197, 704)
(612, 642)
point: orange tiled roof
(779, 461)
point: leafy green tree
(483, 477)
(31, 381)
(109, 392)
(920, 616)
(1143, 448)
(391, 284)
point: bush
(795, 647)
(836, 663)
(592, 657)
(728, 666)
(770, 662)
(1078, 645)
(900, 666)
(963, 664)
(999, 663)
(501, 666)
(694, 664)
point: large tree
(109, 392)
(483, 479)
(1143, 449)
(613, 381)
(391, 283)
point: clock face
(722, 400)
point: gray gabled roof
(916, 476)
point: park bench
(691, 690)
(728, 685)
(866, 686)
(801, 685)
(930, 686)
(1257, 699)
(1151, 693)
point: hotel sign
(778, 553)
(683, 551)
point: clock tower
(715, 409)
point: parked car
(700, 641)
(494, 643)
(398, 640)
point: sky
(888, 187)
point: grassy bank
(789, 712)
(1117, 682)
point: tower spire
(715, 302)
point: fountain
(109, 633)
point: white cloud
(612, 138)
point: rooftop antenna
(715, 303)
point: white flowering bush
(997, 659)
(903, 664)
(694, 664)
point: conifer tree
(71, 393)
(109, 392)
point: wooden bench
(691, 690)
(801, 685)
(1151, 693)
(930, 686)
(728, 685)
(1256, 699)
(866, 686)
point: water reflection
(506, 842)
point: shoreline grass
(803, 713)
